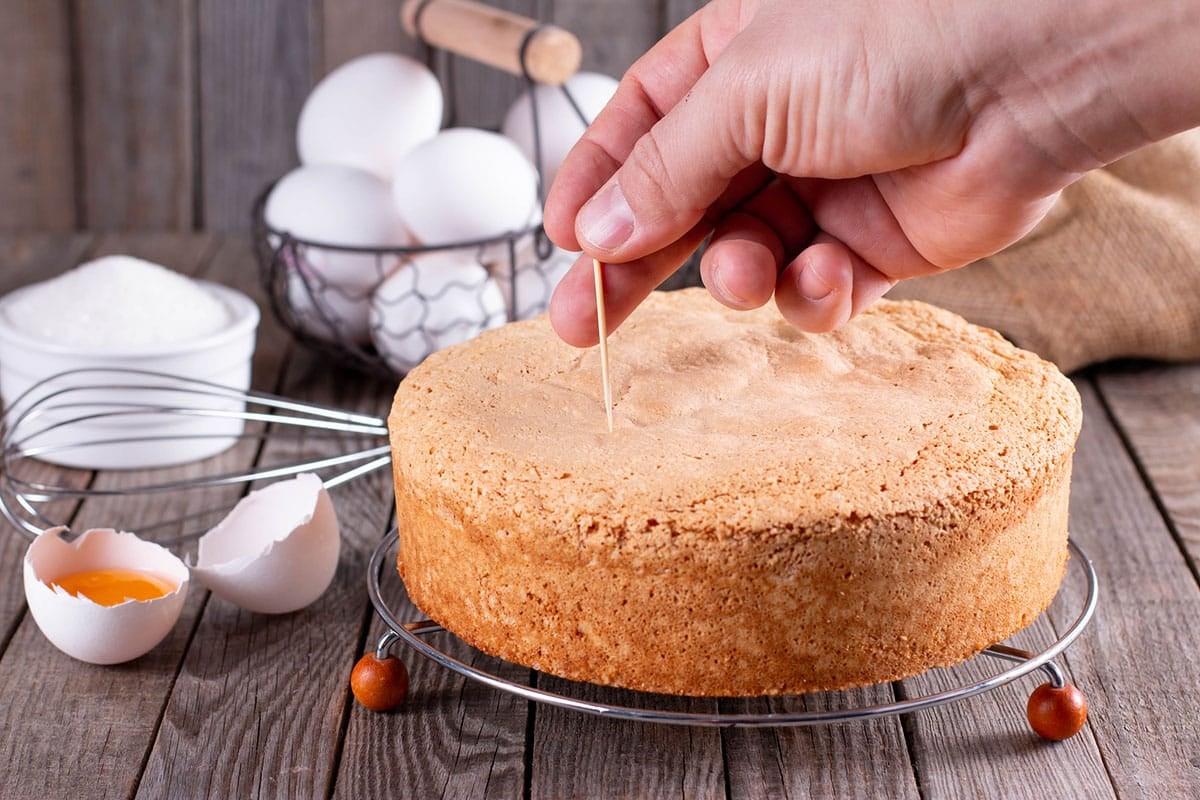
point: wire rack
(1002, 663)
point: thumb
(676, 172)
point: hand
(833, 150)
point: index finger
(655, 83)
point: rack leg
(379, 681)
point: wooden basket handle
(501, 39)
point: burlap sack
(1112, 272)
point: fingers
(826, 285)
(573, 305)
(658, 81)
(667, 146)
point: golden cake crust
(775, 512)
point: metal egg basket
(517, 273)
(321, 291)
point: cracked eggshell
(276, 551)
(87, 630)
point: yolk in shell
(111, 587)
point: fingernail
(812, 285)
(606, 222)
(721, 288)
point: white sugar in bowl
(107, 317)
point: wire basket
(389, 316)
(368, 307)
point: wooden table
(235, 704)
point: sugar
(118, 302)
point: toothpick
(602, 324)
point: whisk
(63, 428)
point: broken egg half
(107, 597)
(277, 551)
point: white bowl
(78, 407)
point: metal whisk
(63, 428)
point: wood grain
(352, 28)
(983, 746)
(135, 122)
(37, 124)
(1137, 663)
(271, 690)
(476, 95)
(27, 260)
(614, 33)
(578, 755)
(257, 62)
(1157, 407)
(452, 738)
(94, 743)
(819, 762)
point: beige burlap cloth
(1112, 272)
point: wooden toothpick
(602, 324)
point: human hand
(830, 151)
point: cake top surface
(734, 416)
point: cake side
(776, 512)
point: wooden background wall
(173, 114)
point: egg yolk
(111, 587)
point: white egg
(329, 289)
(533, 279)
(430, 304)
(276, 551)
(559, 124)
(465, 184)
(89, 630)
(369, 112)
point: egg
(559, 124)
(369, 112)
(465, 184)
(433, 303)
(106, 597)
(276, 551)
(329, 290)
(532, 278)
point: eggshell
(329, 289)
(465, 184)
(276, 551)
(533, 278)
(369, 112)
(430, 304)
(558, 122)
(87, 630)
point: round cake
(775, 512)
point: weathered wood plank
(1158, 409)
(103, 719)
(1138, 663)
(676, 11)
(614, 33)
(135, 121)
(858, 759)
(352, 28)
(257, 62)
(37, 146)
(984, 747)
(260, 698)
(26, 260)
(452, 738)
(579, 755)
(478, 95)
